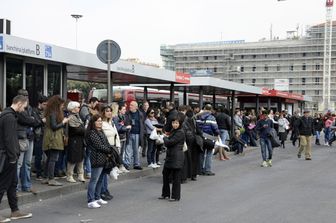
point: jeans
(265, 145)
(318, 134)
(326, 135)
(52, 157)
(104, 184)
(95, 184)
(151, 151)
(38, 153)
(60, 165)
(87, 162)
(122, 150)
(224, 135)
(24, 166)
(206, 161)
(132, 150)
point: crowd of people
(92, 142)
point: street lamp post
(76, 16)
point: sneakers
(20, 215)
(114, 173)
(299, 155)
(137, 168)
(123, 169)
(70, 179)
(93, 204)
(3, 219)
(264, 164)
(269, 163)
(151, 165)
(118, 170)
(53, 182)
(156, 165)
(101, 201)
(30, 190)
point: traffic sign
(104, 47)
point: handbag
(159, 140)
(3, 156)
(185, 147)
(209, 141)
(154, 135)
(23, 143)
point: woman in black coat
(174, 161)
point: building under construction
(294, 64)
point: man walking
(10, 144)
(306, 130)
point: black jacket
(99, 147)
(8, 134)
(223, 121)
(174, 154)
(26, 124)
(306, 126)
(318, 124)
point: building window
(265, 81)
(279, 55)
(254, 56)
(14, 78)
(242, 57)
(290, 91)
(266, 67)
(317, 80)
(242, 81)
(304, 66)
(215, 69)
(254, 68)
(290, 80)
(253, 81)
(303, 92)
(317, 67)
(318, 54)
(317, 92)
(303, 81)
(278, 67)
(303, 54)
(291, 67)
(215, 57)
(206, 58)
(265, 55)
(54, 79)
(241, 68)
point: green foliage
(84, 86)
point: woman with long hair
(101, 153)
(53, 138)
(150, 125)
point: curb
(46, 192)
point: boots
(317, 142)
(81, 178)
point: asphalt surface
(293, 190)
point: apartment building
(298, 60)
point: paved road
(292, 190)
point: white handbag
(154, 135)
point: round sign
(103, 48)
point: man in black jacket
(172, 113)
(25, 131)
(224, 124)
(306, 129)
(10, 143)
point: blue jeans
(151, 151)
(326, 135)
(206, 161)
(317, 133)
(60, 165)
(24, 166)
(224, 135)
(95, 184)
(265, 145)
(104, 184)
(132, 151)
(87, 162)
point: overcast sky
(141, 26)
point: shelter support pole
(228, 103)
(257, 105)
(185, 95)
(268, 103)
(200, 99)
(214, 98)
(172, 95)
(145, 94)
(233, 108)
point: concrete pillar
(214, 98)
(233, 108)
(185, 95)
(145, 94)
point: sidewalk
(45, 192)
